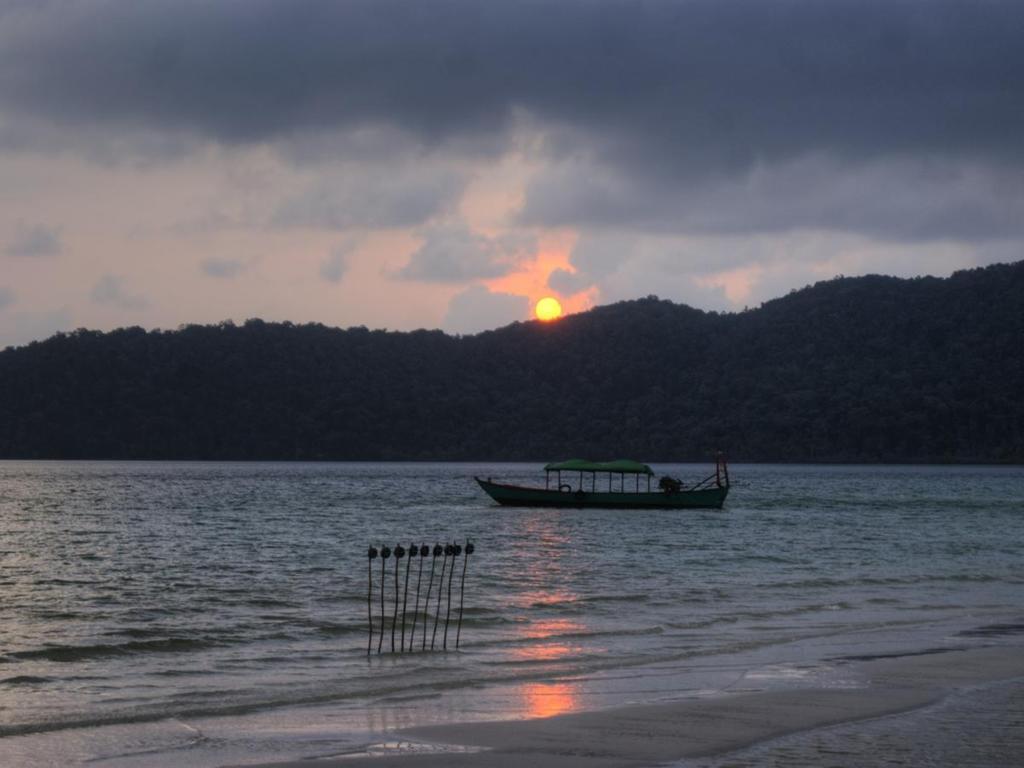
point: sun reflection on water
(548, 699)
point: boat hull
(521, 496)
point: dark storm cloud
(671, 101)
(898, 199)
(702, 83)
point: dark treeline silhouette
(853, 369)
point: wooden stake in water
(440, 588)
(405, 595)
(399, 554)
(456, 551)
(462, 590)
(426, 603)
(371, 554)
(385, 553)
(424, 551)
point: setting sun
(548, 308)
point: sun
(548, 309)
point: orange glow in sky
(532, 280)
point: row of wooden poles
(447, 552)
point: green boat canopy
(582, 465)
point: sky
(409, 164)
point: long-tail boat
(580, 483)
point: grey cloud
(454, 253)
(31, 241)
(110, 290)
(477, 309)
(699, 84)
(6, 297)
(372, 198)
(334, 267)
(894, 199)
(567, 283)
(698, 116)
(222, 268)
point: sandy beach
(666, 732)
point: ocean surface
(158, 614)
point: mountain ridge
(859, 369)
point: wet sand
(657, 733)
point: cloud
(6, 297)
(32, 241)
(718, 84)
(697, 116)
(109, 290)
(892, 199)
(454, 253)
(372, 198)
(335, 266)
(477, 308)
(222, 268)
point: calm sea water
(169, 613)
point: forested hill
(853, 369)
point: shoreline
(652, 734)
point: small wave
(25, 680)
(993, 630)
(578, 604)
(72, 653)
(896, 655)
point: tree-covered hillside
(853, 369)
